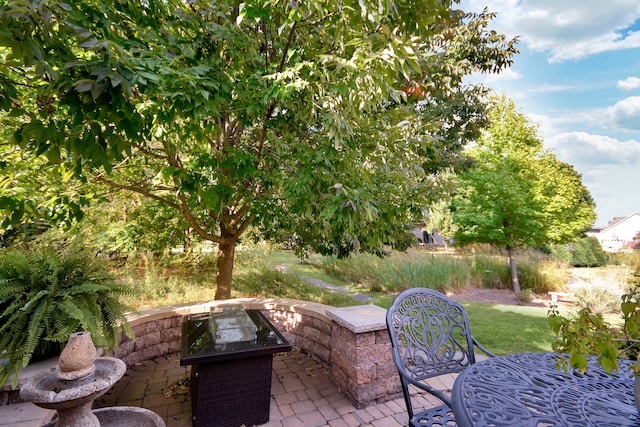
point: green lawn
(505, 329)
(502, 329)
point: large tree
(518, 194)
(329, 118)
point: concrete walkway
(339, 289)
(302, 392)
(284, 268)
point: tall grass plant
(450, 271)
(171, 279)
(626, 258)
(180, 278)
(400, 271)
(599, 289)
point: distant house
(433, 239)
(619, 234)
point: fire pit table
(231, 352)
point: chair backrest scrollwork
(429, 333)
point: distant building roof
(617, 219)
(619, 234)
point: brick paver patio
(302, 392)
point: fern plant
(48, 292)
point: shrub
(582, 252)
(47, 292)
(561, 252)
(599, 289)
(597, 298)
(589, 333)
(587, 252)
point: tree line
(332, 123)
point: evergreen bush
(587, 252)
(561, 253)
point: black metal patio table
(526, 390)
(230, 372)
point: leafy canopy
(331, 119)
(519, 194)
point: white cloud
(550, 88)
(587, 150)
(623, 117)
(614, 190)
(506, 74)
(567, 29)
(625, 114)
(544, 126)
(578, 49)
(609, 170)
(630, 83)
(492, 80)
(609, 167)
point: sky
(578, 78)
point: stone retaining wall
(351, 341)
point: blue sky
(578, 78)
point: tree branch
(232, 129)
(172, 157)
(182, 206)
(147, 151)
(288, 46)
(245, 224)
(193, 222)
(136, 189)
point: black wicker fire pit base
(230, 382)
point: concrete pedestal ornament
(79, 379)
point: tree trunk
(187, 241)
(226, 253)
(514, 269)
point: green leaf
(608, 364)
(89, 43)
(579, 361)
(115, 80)
(628, 307)
(84, 85)
(632, 328)
(211, 199)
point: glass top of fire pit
(221, 333)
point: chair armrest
(482, 348)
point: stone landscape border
(352, 342)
